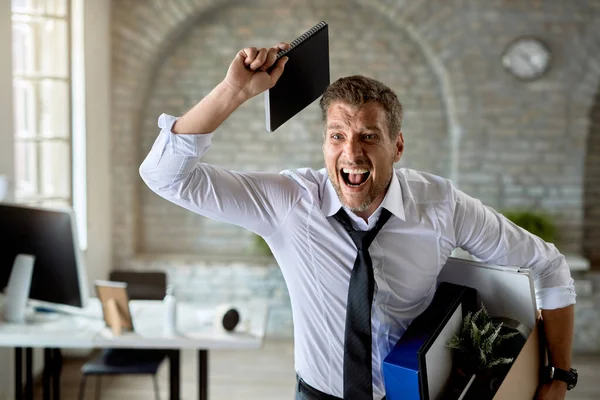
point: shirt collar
(392, 201)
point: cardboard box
(505, 292)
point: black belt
(315, 394)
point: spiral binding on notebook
(299, 40)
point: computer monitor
(59, 274)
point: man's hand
(555, 390)
(251, 72)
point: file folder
(419, 366)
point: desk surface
(194, 322)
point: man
(310, 220)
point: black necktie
(358, 379)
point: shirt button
(376, 270)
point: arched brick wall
(136, 72)
(591, 212)
(582, 86)
(198, 61)
(505, 157)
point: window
(42, 102)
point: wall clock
(527, 58)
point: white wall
(6, 107)
(96, 16)
(6, 159)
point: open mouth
(355, 177)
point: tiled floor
(265, 374)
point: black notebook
(304, 79)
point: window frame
(35, 81)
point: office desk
(196, 331)
(194, 322)
(51, 332)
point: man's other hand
(250, 72)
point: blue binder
(419, 363)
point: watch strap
(552, 373)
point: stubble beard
(364, 206)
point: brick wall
(591, 238)
(199, 62)
(509, 143)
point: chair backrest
(142, 285)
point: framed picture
(115, 305)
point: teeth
(354, 171)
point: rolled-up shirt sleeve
(172, 169)
(186, 149)
(493, 238)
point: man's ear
(399, 147)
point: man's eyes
(367, 136)
(371, 137)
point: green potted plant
(261, 247)
(535, 222)
(478, 351)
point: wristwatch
(550, 373)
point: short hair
(358, 90)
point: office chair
(140, 286)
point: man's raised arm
(172, 169)
(249, 74)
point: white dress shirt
(293, 211)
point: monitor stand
(17, 291)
